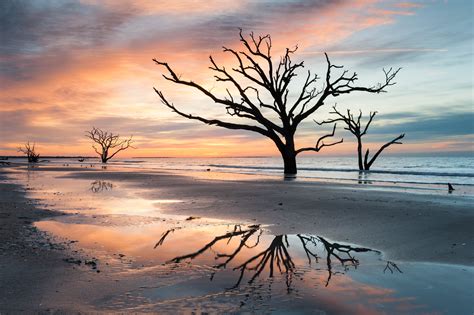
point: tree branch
(320, 143)
(215, 122)
(386, 145)
(344, 84)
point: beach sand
(404, 224)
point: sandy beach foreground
(37, 273)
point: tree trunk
(359, 153)
(104, 155)
(289, 161)
(366, 159)
(288, 153)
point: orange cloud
(408, 5)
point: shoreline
(358, 177)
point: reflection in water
(392, 267)
(363, 177)
(253, 271)
(276, 256)
(100, 186)
(289, 177)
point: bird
(450, 188)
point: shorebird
(450, 188)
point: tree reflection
(342, 253)
(276, 256)
(100, 186)
(363, 178)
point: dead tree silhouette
(274, 257)
(260, 96)
(354, 126)
(30, 152)
(110, 144)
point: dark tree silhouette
(258, 90)
(30, 152)
(274, 257)
(110, 144)
(354, 125)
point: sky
(68, 65)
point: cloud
(420, 127)
(408, 5)
(68, 65)
(34, 27)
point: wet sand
(403, 225)
(27, 260)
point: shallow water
(432, 171)
(227, 268)
(170, 262)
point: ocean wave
(346, 170)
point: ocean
(387, 169)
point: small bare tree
(29, 151)
(260, 95)
(354, 125)
(110, 144)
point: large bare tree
(259, 89)
(30, 152)
(354, 126)
(110, 144)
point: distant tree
(30, 152)
(110, 144)
(354, 125)
(261, 93)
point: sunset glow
(67, 66)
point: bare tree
(110, 144)
(30, 152)
(261, 90)
(354, 125)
